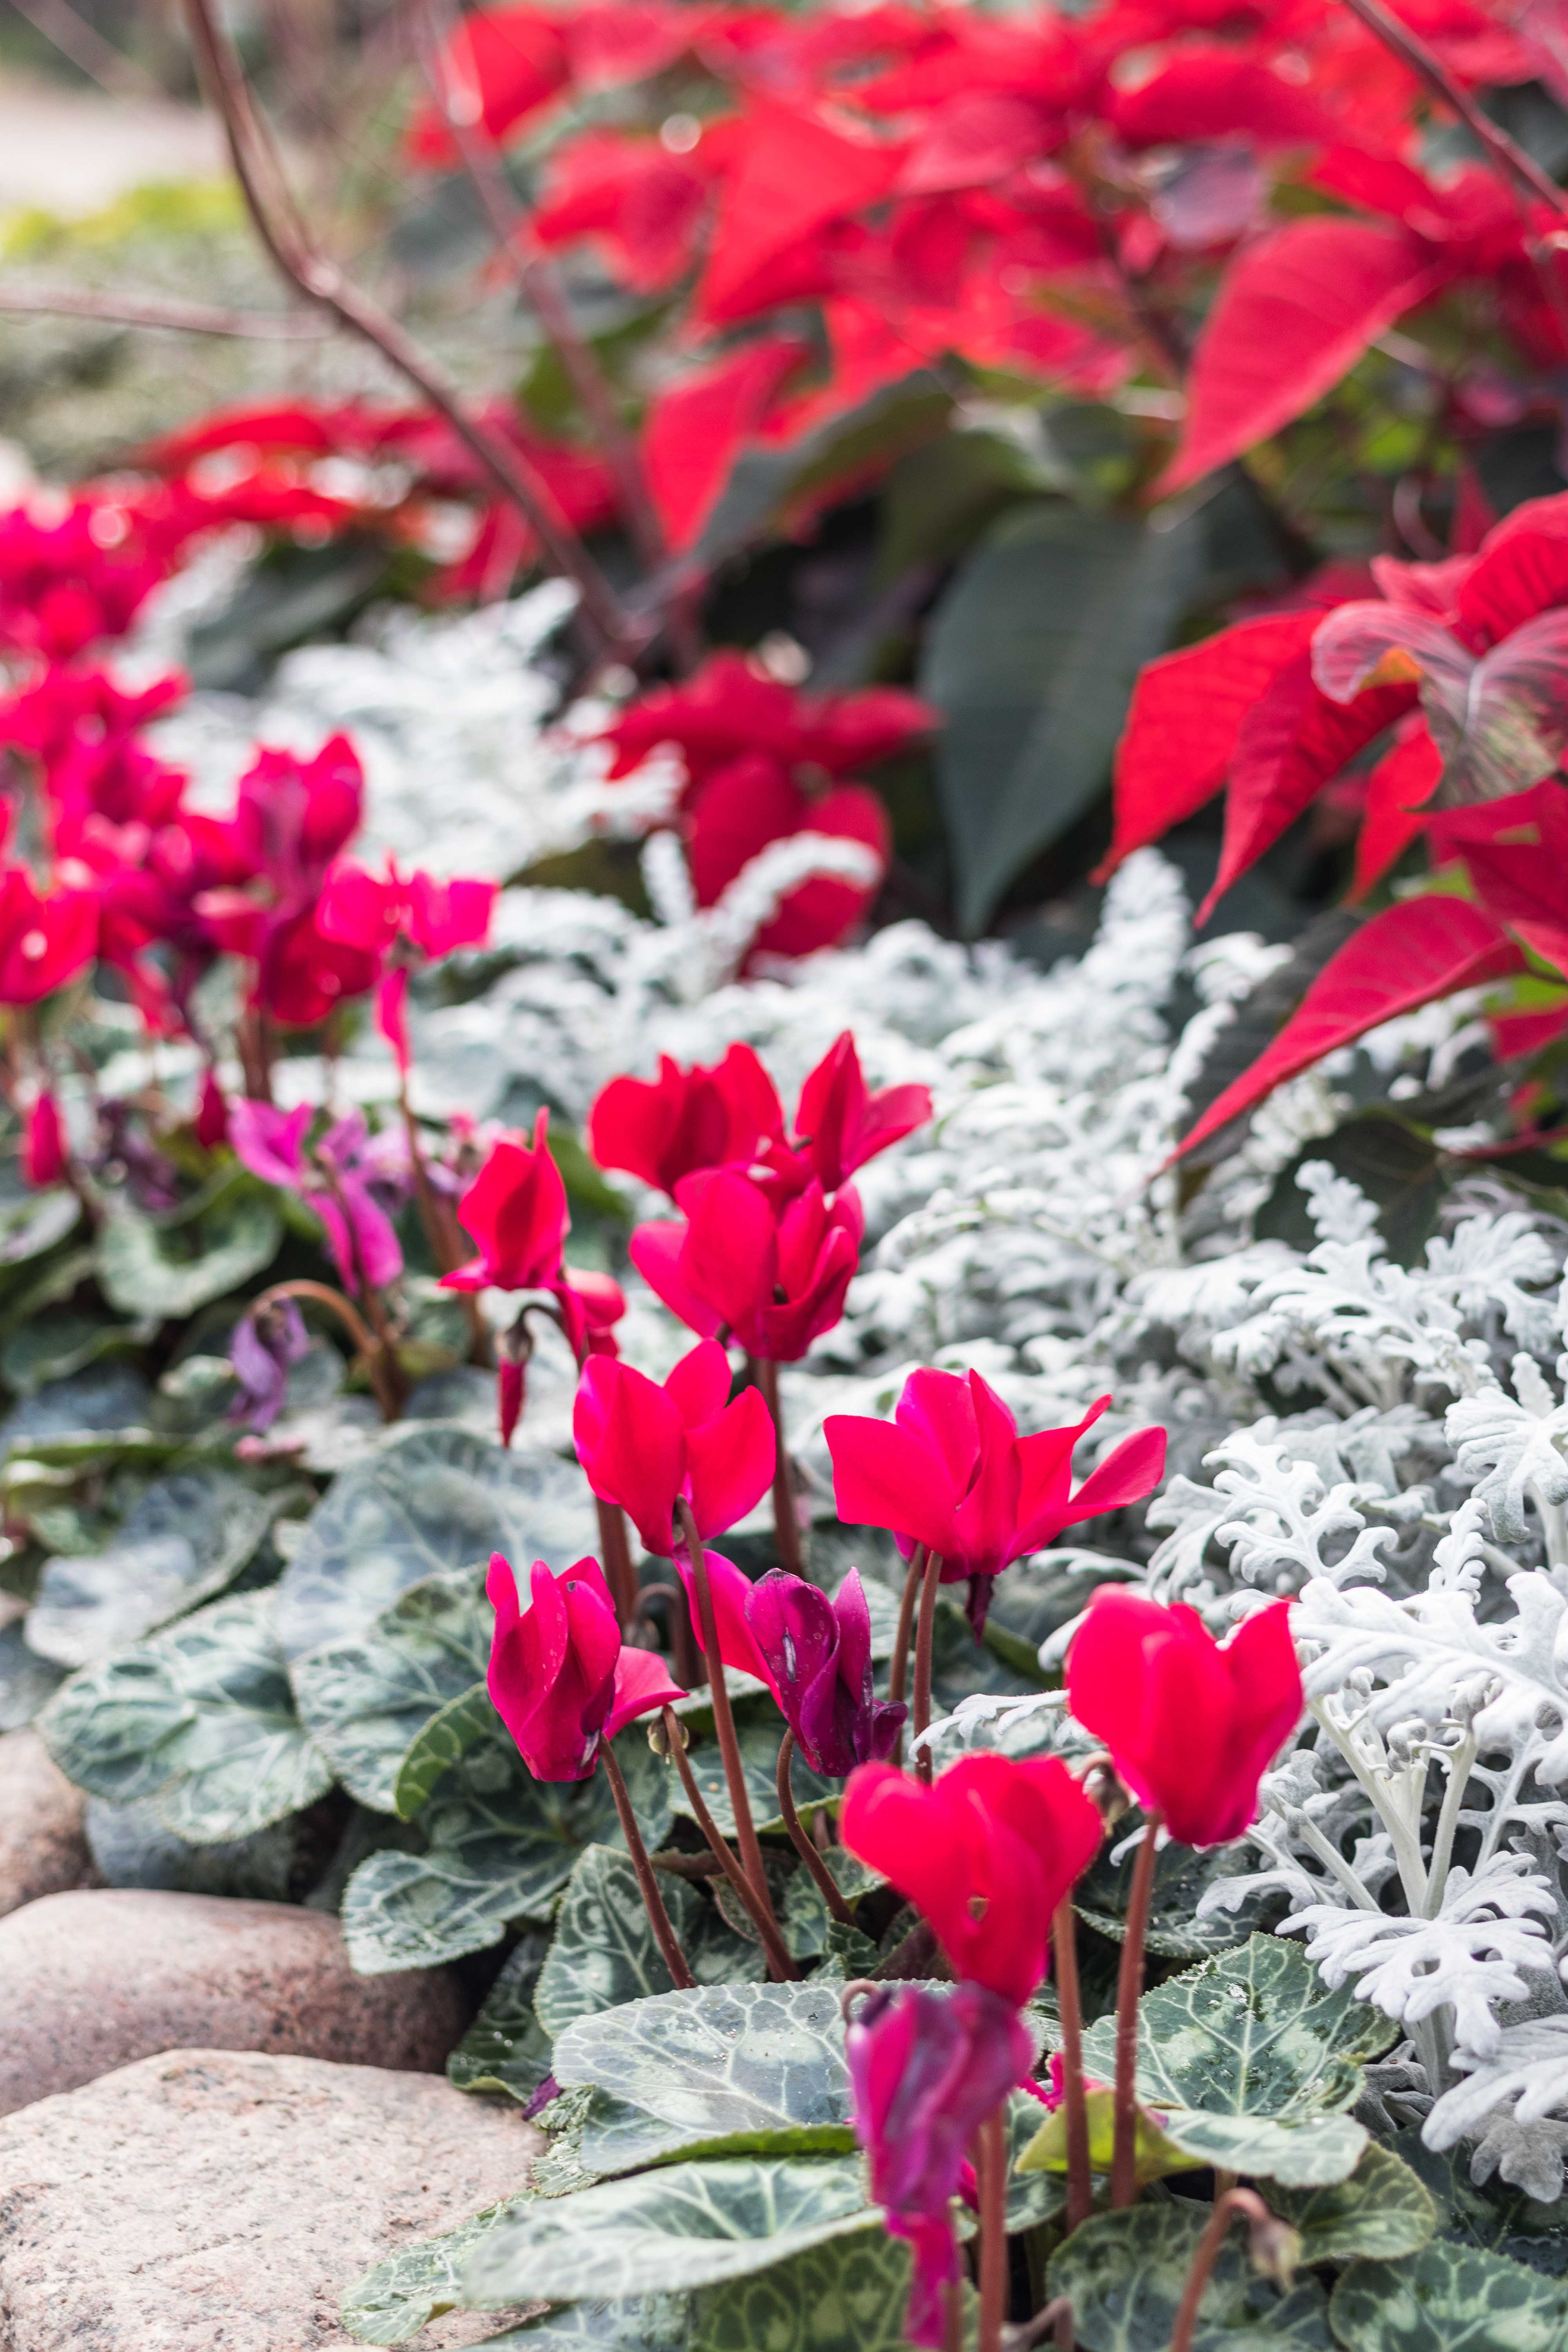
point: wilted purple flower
(819, 1653)
(265, 1343)
(926, 2069)
(353, 1181)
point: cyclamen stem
(653, 1901)
(990, 2164)
(898, 1673)
(786, 1527)
(919, 1710)
(1235, 2201)
(1063, 1945)
(953, 2334)
(620, 1573)
(1129, 1987)
(353, 1323)
(781, 1968)
(1055, 2321)
(723, 1714)
(827, 1885)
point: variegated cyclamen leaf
(1450, 2298)
(367, 1699)
(687, 2226)
(604, 1953)
(1125, 2274)
(1381, 2211)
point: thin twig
(162, 310)
(1129, 1988)
(925, 1635)
(1523, 172)
(1070, 2007)
(781, 1967)
(653, 1901)
(827, 1885)
(284, 235)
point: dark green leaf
(52, 1347)
(506, 2048)
(1181, 1877)
(939, 497)
(640, 2323)
(366, 1701)
(185, 1538)
(398, 2298)
(847, 2296)
(33, 1223)
(1125, 2272)
(1450, 2298)
(664, 2233)
(604, 1953)
(432, 1497)
(107, 1396)
(1380, 2211)
(438, 1745)
(1251, 2032)
(200, 1716)
(805, 1919)
(751, 2065)
(1393, 1161)
(764, 482)
(759, 1735)
(501, 1846)
(1302, 2151)
(171, 1270)
(1031, 656)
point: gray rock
(43, 1844)
(93, 1981)
(208, 2201)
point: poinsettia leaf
(506, 2048)
(1249, 2033)
(1125, 2274)
(201, 1717)
(1381, 2210)
(1183, 719)
(768, 483)
(500, 1845)
(169, 1270)
(750, 2066)
(687, 2226)
(604, 1953)
(366, 1700)
(1031, 656)
(1294, 310)
(1450, 2298)
(1405, 957)
(432, 1497)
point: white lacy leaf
(1516, 1443)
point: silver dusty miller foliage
(1387, 1445)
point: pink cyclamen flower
(43, 1143)
(926, 2069)
(559, 1676)
(644, 1445)
(951, 1471)
(409, 920)
(1191, 1726)
(840, 1124)
(684, 1120)
(515, 1211)
(775, 1279)
(347, 1180)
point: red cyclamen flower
(926, 2069)
(665, 1128)
(43, 1143)
(44, 941)
(987, 1852)
(1192, 1726)
(951, 1471)
(840, 1124)
(775, 1280)
(559, 1675)
(643, 1445)
(515, 1210)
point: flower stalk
(781, 1968)
(723, 1714)
(786, 1526)
(925, 1634)
(827, 1885)
(675, 1960)
(1064, 1947)
(1129, 1989)
(991, 2166)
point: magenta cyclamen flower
(818, 1655)
(644, 1446)
(350, 1177)
(265, 1344)
(926, 2069)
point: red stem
(925, 1634)
(1064, 1944)
(990, 2163)
(786, 1527)
(1129, 1988)
(1235, 2201)
(653, 1901)
(723, 1714)
(827, 1885)
(781, 1968)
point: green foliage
(506, 2048)
(1450, 2298)
(500, 1846)
(756, 2067)
(760, 1734)
(661, 2232)
(368, 1699)
(433, 1498)
(1125, 2272)
(1381, 2211)
(604, 1953)
(186, 1537)
(172, 1267)
(846, 2295)
(1031, 656)
(1182, 1876)
(201, 1717)
(402, 2295)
